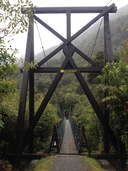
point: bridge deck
(68, 144)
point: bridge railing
(79, 135)
(58, 133)
(76, 131)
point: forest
(68, 96)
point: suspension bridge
(68, 65)
(69, 138)
(74, 137)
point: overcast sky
(57, 3)
(58, 22)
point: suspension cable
(45, 56)
(97, 34)
(96, 38)
(108, 3)
(43, 49)
(40, 40)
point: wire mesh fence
(79, 135)
(76, 132)
(57, 137)
(60, 132)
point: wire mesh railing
(58, 133)
(76, 132)
(79, 135)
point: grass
(43, 164)
(92, 163)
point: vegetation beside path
(43, 164)
(93, 163)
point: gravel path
(67, 163)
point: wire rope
(96, 38)
(45, 56)
(40, 40)
(109, 2)
(97, 34)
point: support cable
(109, 2)
(96, 38)
(45, 56)
(97, 34)
(40, 40)
(43, 48)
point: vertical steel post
(22, 104)
(31, 91)
(54, 139)
(68, 25)
(108, 57)
(108, 53)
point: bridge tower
(68, 64)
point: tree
(12, 19)
(116, 77)
(11, 22)
(7, 82)
(99, 58)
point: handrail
(58, 124)
(79, 135)
(57, 137)
(75, 122)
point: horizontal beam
(56, 69)
(48, 10)
(90, 69)
(103, 156)
(47, 70)
(29, 156)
